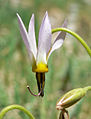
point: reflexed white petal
(31, 36)
(62, 34)
(55, 46)
(59, 39)
(24, 35)
(45, 36)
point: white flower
(39, 55)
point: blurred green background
(69, 67)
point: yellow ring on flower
(41, 67)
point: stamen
(33, 93)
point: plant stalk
(76, 36)
(11, 107)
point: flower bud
(70, 98)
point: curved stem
(32, 92)
(76, 36)
(64, 113)
(11, 107)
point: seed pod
(70, 98)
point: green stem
(87, 88)
(11, 107)
(76, 36)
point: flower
(39, 55)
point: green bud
(70, 98)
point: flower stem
(64, 114)
(76, 36)
(11, 107)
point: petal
(62, 34)
(31, 36)
(24, 36)
(44, 41)
(59, 40)
(55, 46)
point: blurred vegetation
(69, 67)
